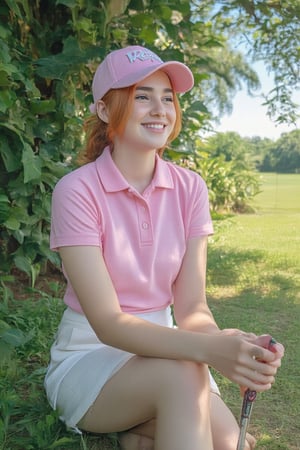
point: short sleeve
(75, 217)
(200, 222)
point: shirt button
(145, 225)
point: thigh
(131, 396)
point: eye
(141, 97)
(168, 99)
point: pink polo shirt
(142, 237)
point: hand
(265, 341)
(274, 347)
(241, 358)
(261, 341)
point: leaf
(12, 223)
(13, 6)
(9, 68)
(197, 106)
(4, 198)
(57, 66)
(31, 164)
(68, 3)
(14, 337)
(4, 79)
(3, 327)
(116, 8)
(42, 106)
(5, 351)
(31, 88)
(59, 442)
(7, 99)
(23, 264)
(9, 157)
(4, 208)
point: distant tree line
(263, 154)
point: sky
(249, 118)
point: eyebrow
(150, 89)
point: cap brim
(180, 75)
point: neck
(136, 167)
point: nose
(158, 108)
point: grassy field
(280, 193)
(253, 284)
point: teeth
(157, 126)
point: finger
(263, 355)
(249, 383)
(264, 368)
(279, 349)
(263, 340)
(254, 379)
(276, 363)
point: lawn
(253, 284)
(280, 193)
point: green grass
(281, 192)
(253, 284)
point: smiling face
(152, 117)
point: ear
(102, 111)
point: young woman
(132, 231)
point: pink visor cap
(129, 65)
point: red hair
(100, 134)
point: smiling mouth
(154, 126)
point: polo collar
(113, 180)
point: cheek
(172, 115)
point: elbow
(108, 331)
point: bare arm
(232, 356)
(90, 279)
(192, 313)
(190, 305)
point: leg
(225, 431)
(175, 393)
(225, 428)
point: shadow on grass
(250, 292)
(228, 267)
(245, 291)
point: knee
(187, 377)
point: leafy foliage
(230, 187)
(26, 418)
(284, 154)
(49, 51)
(273, 30)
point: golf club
(246, 410)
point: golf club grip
(247, 405)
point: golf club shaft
(247, 406)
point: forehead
(157, 79)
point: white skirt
(81, 364)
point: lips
(154, 126)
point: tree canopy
(49, 50)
